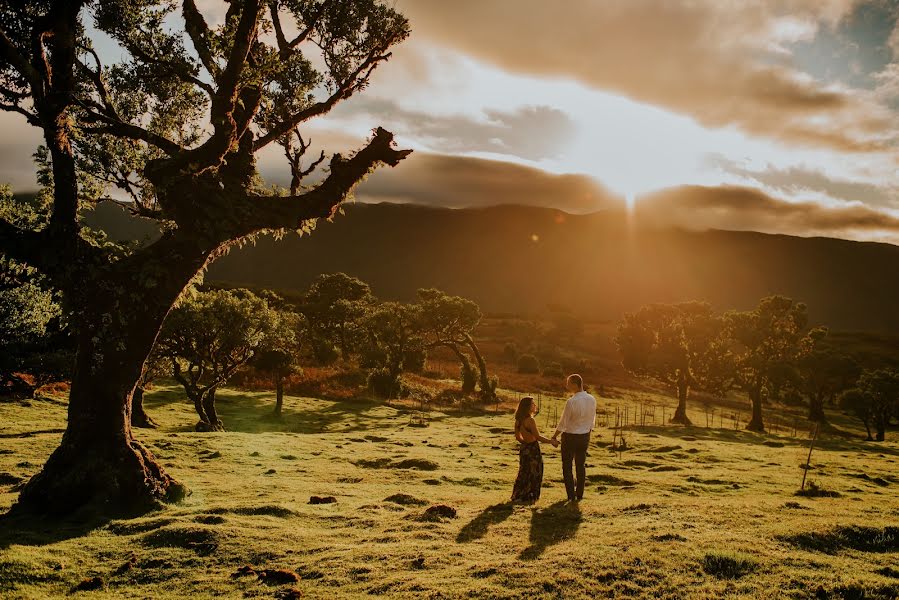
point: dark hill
(521, 259)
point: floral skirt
(530, 473)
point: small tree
(333, 306)
(764, 340)
(279, 354)
(875, 401)
(208, 337)
(449, 322)
(393, 338)
(823, 371)
(175, 124)
(678, 344)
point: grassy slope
(649, 521)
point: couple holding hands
(577, 421)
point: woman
(530, 463)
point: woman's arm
(532, 428)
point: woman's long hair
(523, 411)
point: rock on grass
(322, 500)
(438, 513)
(277, 576)
(89, 584)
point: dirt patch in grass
(405, 500)
(420, 464)
(853, 537)
(773, 444)
(202, 540)
(865, 477)
(728, 565)
(606, 479)
(438, 513)
(665, 469)
(268, 510)
(813, 490)
(668, 537)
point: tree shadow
(551, 525)
(477, 527)
(18, 527)
(843, 441)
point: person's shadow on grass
(477, 527)
(551, 525)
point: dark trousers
(574, 448)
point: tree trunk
(139, 416)
(279, 394)
(868, 430)
(816, 408)
(683, 391)
(468, 379)
(881, 428)
(99, 463)
(756, 423)
(488, 392)
(212, 422)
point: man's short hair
(576, 380)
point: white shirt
(579, 414)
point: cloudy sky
(770, 115)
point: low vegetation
(412, 512)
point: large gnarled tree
(678, 344)
(175, 126)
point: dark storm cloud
(531, 132)
(749, 209)
(795, 180)
(455, 181)
(716, 61)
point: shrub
(414, 361)
(553, 370)
(728, 565)
(384, 384)
(528, 363)
(510, 352)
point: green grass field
(683, 513)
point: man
(578, 420)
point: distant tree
(449, 322)
(874, 401)
(678, 344)
(33, 339)
(155, 368)
(208, 337)
(280, 352)
(175, 123)
(824, 372)
(333, 307)
(393, 341)
(528, 363)
(764, 341)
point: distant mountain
(522, 259)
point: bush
(510, 352)
(384, 384)
(553, 370)
(528, 363)
(414, 361)
(325, 352)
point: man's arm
(562, 422)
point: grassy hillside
(520, 259)
(685, 512)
